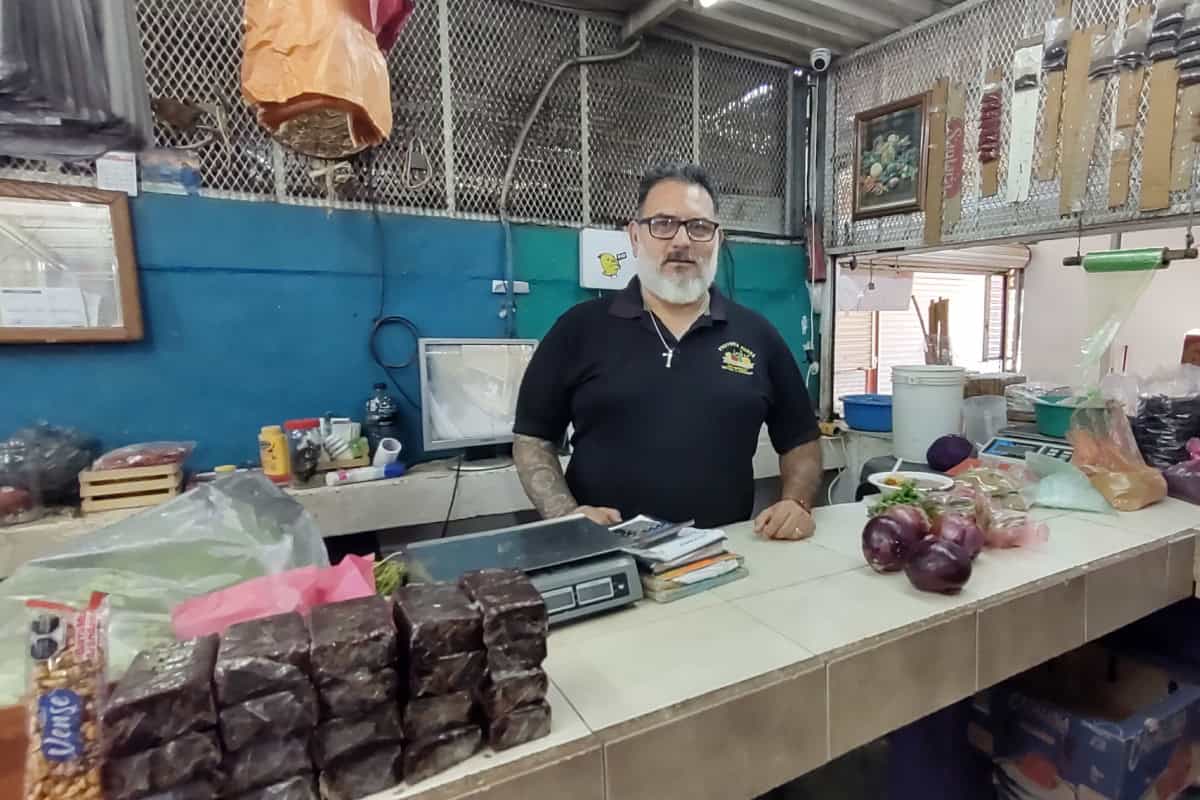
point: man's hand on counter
(787, 519)
(600, 515)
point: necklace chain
(669, 352)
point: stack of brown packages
(515, 626)
(358, 744)
(268, 708)
(159, 725)
(441, 638)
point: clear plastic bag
(1132, 51)
(1191, 20)
(1169, 13)
(1167, 415)
(59, 455)
(218, 534)
(145, 454)
(1183, 479)
(1107, 453)
(1062, 485)
(1054, 44)
(20, 484)
(991, 113)
(1104, 56)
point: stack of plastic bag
(72, 79)
(214, 536)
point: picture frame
(70, 271)
(890, 144)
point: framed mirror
(68, 272)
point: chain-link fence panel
(964, 46)
(499, 60)
(464, 75)
(743, 138)
(640, 111)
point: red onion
(914, 520)
(937, 565)
(960, 529)
(885, 543)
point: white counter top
(737, 690)
(420, 497)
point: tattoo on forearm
(542, 476)
(800, 472)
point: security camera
(820, 58)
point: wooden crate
(135, 487)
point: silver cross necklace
(668, 351)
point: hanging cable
(510, 306)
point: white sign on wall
(606, 259)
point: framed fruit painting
(889, 158)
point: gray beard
(676, 290)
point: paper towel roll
(387, 452)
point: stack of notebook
(677, 561)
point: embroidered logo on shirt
(737, 358)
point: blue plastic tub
(868, 412)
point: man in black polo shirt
(668, 384)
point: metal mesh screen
(964, 46)
(639, 112)
(743, 138)
(464, 75)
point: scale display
(1004, 447)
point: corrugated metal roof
(784, 29)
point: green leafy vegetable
(389, 576)
(906, 495)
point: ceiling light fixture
(708, 3)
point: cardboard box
(1091, 725)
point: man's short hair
(682, 171)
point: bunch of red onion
(936, 556)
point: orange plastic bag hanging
(315, 74)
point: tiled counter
(727, 694)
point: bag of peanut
(67, 685)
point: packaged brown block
(512, 609)
(337, 738)
(278, 714)
(165, 693)
(426, 716)
(363, 774)
(503, 692)
(352, 634)
(428, 757)
(357, 693)
(518, 655)
(437, 619)
(262, 656)
(265, 762)
(519, 726)
(191, 757)
(300, 787)
(446, 674)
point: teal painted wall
(258, 312)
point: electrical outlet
(519, 287)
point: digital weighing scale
(576, 564)
(1012, 444)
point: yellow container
(273, 451)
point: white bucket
(927, 403)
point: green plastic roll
(1140, 260)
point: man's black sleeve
(790, 418)
(544, 403)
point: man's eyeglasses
(698, 229)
